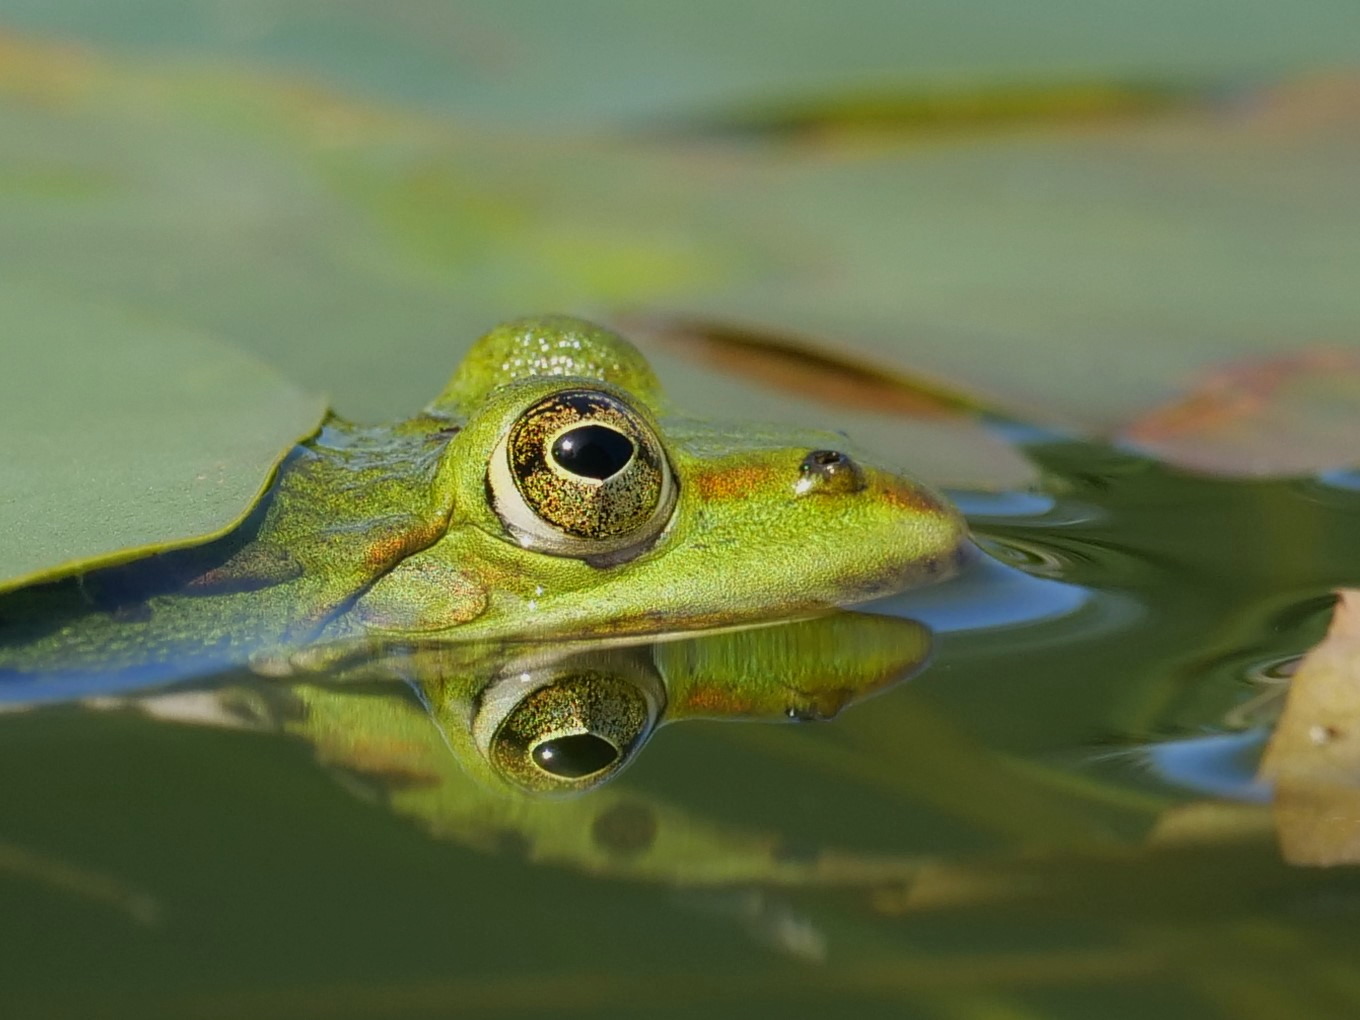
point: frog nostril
(828, 471)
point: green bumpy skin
(463, 524)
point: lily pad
(338, 243)
(950, 448)
(598, 63)
(124, 436)
(1071, 277)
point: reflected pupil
(575, 756)
(593, 451)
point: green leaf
(1073, 277)
(1064, 276)
(592, 63)
(362, 252)
(123, 436)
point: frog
(548, 492)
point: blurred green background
(214, 217)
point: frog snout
(828, 472)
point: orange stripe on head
(905, 496)
(716, 701)
(738, 481)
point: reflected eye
(569, 734)
(574, 756)
(580, 473)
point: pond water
(1055, 817)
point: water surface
(1053, 818)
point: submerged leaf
(82, 883)
(122, 436)
(1295, 414)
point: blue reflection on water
(1218, 764)
(58, 685)
(986, 594)
(1346, 478)
(1003, 504)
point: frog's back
(343, 507)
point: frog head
(549, 492)
(583, 505)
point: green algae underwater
(1046, 804)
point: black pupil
(593, 451)
(574, 756)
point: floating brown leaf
(1314, 755)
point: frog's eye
(580, 473)
(573, 731)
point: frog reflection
(479, 747)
